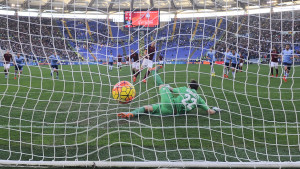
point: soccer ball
(124, 92)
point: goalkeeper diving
(187, 100)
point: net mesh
(74, 117)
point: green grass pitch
(74, 118)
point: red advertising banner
(141, 18)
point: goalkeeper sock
(287, 75)
(140, 110)
(157, 78)
(133, 71)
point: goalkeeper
(187, 100)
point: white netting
(74, 117)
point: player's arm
(58, 60)
(207, 57)
(202, 105)
(280, 55)
(174, 90)
(24, 61)
(294, 56)
(46, 60)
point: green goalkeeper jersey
(188, 100)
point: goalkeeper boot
(144, 80)
(156, 67)
(213, 74)
(276, 75)
(125, 115)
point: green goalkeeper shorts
(166, 105)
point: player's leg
(272, 66)
(241, 67)
(56, 70)
(228, 69)
(285, 72)
(52, 67)
(20, 70)
(133, 71)
(136, 67)
(212, 69)
(137, 70)
(16, 71)
(149, 66)
(225, 70)
(133, 68)
(288, 68)
(276, 67)
(6, 69)
(111, 65)
(233, 70)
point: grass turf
(74, 118)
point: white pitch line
(156, 127)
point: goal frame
(158, 164)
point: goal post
(56, 102)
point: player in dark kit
(274, 61)
(119, 64)
(127, 60)
(148, 60)
(241, 63)
(161, 60)
(134, 58)
(7, 59)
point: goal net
(64, 114)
